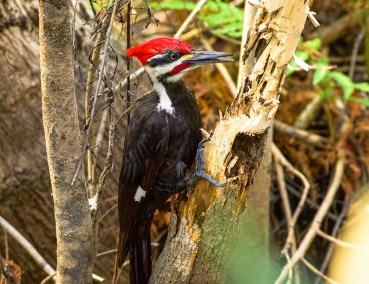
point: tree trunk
(204, 227)
(63, 145)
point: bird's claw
(200, 172)
(204, 175)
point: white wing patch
(140, 193)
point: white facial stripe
(140, 193)
(161, 70)
(159, 55)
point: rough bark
(63, 145)
(205, 225)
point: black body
(159, 148)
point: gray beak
(200, 57)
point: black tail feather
(140, 258)
(122, 252)
(139, 249)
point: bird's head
(169, 59)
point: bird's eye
(173, 56)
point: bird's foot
(200, 172)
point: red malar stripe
(180, 68)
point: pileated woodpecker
(160, 145)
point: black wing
(145, 147)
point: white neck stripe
(164, 101)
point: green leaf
(315, 43)
(173, 5)
(344, 82)
(362, 87)
(322, 61)
(303, 55)
(347, 92)
(319, 76)
(216, 14)
(288, 72)
(341, 79)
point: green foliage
(173, 5)
(216, 14)
(325, 79)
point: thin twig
(317, 272)
(290, 273)
(222, 70)
(355, 51)
(100, 132)
(91, 77)
(291, 240)
(92, 115)
(302, 135)
(341, 243)
(27, 246)
(49, 277)
(2, 269)
(108, 211)
(119, 272)
(279, 156)
(334, 233)
(284, 196)
(190, 18)
(310, 202)
(109, 155)
(310, 235)
(107, 252)
(310, 112)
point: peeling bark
(210, 216)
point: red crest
(146, 50)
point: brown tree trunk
(204, 227)
(63, 144)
